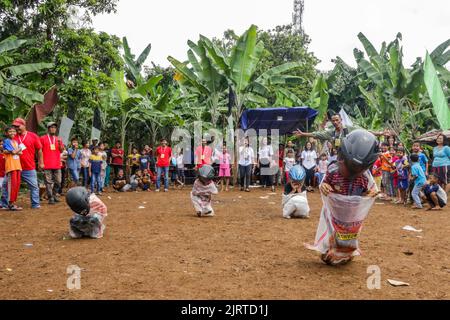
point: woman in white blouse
(309, 162)
(246, 162)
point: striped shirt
(346, 186)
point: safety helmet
(78, 200)
(359, 150)
(297, 173)
(206, 172)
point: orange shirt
(12, 161)
(386, 159)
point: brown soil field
(247, 251)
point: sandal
(14, 208)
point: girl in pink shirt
(224, 167)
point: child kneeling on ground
(295, 202)
(434, 194)
(89, 214)
(202, 190)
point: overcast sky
(332, 25)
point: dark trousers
(52, 182)
(266, 180)
(245, 174)
(309, 177)
(85, 173)
(116, 168)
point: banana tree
(203, 77)
(393, 92)
(15, 99)
(133, 68)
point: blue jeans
(75, 175)
(96, 182)
(416, 196)
(160, 170)
(30, 177)
(85, 172)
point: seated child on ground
(202, 190)
(119, 183)
(89, 214)
(136, 179)
(434, 194)
(295, 202)
(145, 181)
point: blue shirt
(417, 171)
(423, 160)
(74, 164)
(441, 157)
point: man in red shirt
(203, 155)
(52, 147)
(117, 154)
(163, 155)
(30, 144)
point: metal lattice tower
(297, 16)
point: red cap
(19, 122)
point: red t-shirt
(2, 166)
(52, 158)
(163, 155)
(32, 144)
(117, 160)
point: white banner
(346, 121)
(95, 134)
(65, 128)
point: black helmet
(78, 200)
(359, 150)
(206, 172)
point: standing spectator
(423, 160)
(30, 144)
(376, 173)
(265, 155)
(203, 155)
(289, 147)
(52, 147)
(108, 165)
(85, 156)
(441, 162)
(104, 156)
(289, 163)
(246, 162)
(2, 175)
(163, 155)
(12, 152)
(309, 158)
(94, 144)
(280, 164)
(180, 168)
(402, 166)
(224, 167)
(144, 160)
(74, 162)
(133, 160)
(386, 171)
(418, 178)
(322, 167)
(333, 155)
(95, 170)
(64, 156)
(117, 155)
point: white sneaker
(157, 190)
(166, 190)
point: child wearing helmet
(89, 214)
(348, 192)
(295, 202)
(202, 190)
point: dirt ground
(247, 251)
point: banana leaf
(29, 68)
(188, 74)
(120, 86)
(11, 44)
(143, 56)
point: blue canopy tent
(287, 120)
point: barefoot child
(202, 190)
(348, 193)
(402, 166)
(89, 214)
(295, 202)
(434, 194)
(2, 172)
(13, 168)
